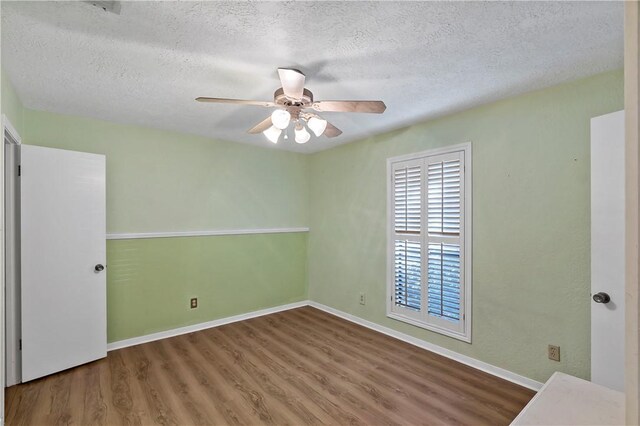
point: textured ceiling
(146, 65)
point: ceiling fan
(293, 103)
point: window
(429, 248)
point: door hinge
(20, 344)
(19, 170)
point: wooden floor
(297, 367)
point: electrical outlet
(194, 303)
(363, 299)
(554, 353)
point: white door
(607, 250)
(62, 244)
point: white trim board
(7, 126)
(138, 235)
(201, 326)
(463, 359)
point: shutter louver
(444, 281)
(407, 200)
(443, 186)
(443, 250)
(408, 273)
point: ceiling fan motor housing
(304, 102)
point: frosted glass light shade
(280, 119)
(272, 133)
(302, 135)
(317, 125)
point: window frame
(421, 319)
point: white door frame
(10, 134)
(11, 286)
(632, 231)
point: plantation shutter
(443, 205)
(408, 199)
(428, 252)
(408, 274)
(445, 199)
(407, 188)
(444, 281)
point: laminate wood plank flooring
(297, 367)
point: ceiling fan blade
(236, 101)
(374, 107)
(261, 126)
(332, 131)
(292, 82)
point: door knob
(99, 268)
(601, 297)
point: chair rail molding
(204, 233)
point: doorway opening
(12, 253)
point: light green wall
(531, 240)
(10, 103)
(162, 181)
(165, 181)
(150, 281)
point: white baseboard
(201, 326)
(463, 359)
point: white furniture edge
(202, 326)
(463, 359)
(138, 235)
(522, 417)
(534, 399)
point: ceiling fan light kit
(281, 118)
(272, 133)
(302, 135)
(317, 125)
(292, 100)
